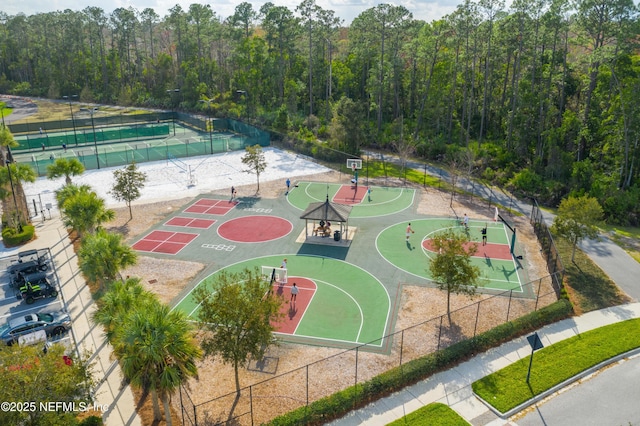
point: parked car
(30, 291)
(53, 323)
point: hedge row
(12, 237)
(340, 403)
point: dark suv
(52, 323)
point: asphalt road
(609, 398)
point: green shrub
(12, 237)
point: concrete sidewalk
(110, 393)
(453, 387)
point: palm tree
(159, 353)
(122, 298)
(15, 174)
(103, 255)
(66, 167)
(69, 191)
(85, 212)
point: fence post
(355, 385)
(439, 332)
(401, 345)
(475, 327)
(251, 402)
(509, 304)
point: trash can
(336, 236)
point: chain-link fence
(549, 249)
(263, 401)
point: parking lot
(30, 285)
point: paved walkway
(110, 392)
(453, 387)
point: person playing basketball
(409, 231)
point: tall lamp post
(173, 109)
(73, 121)
(208, 102)
(243, 93)
(13, 190)
(93, 126)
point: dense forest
(540, 98)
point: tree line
(538, 98)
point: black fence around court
(549, 249)
(261, 402)
(154, 137)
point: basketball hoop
(353, 167)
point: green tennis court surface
(349, 306)
(381, 201)
(499, 271)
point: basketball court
(347, 295)
(338, 303)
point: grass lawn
(626, 237)
(507, 388)
(432, 414)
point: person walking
(288, 182)
(483, 231)
(294, 292)
(409, 231)
(233, 192)
(465, 221)
(283, 265)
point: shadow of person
(488, 260)
(409, 245)
(292, 310)
(280, 290)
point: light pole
(173, 109)
(329, 82)
(243, 93)
(93, 126)
(13, 191)
(73, 122)
(208, 102)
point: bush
(12, 237)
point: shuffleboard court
(498, 269)
(189, 222)
(211, 206)
(165, 242)
(349, 307)
(381, 201)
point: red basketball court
(293, 311)
(350, 194)
(211, 206)
(164, 242)
(255, 229)
(189, 222)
